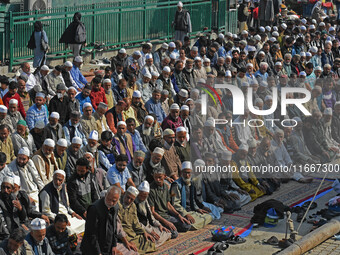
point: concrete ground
(254, 244)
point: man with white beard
(146, 131)
(213, 138)
(153, 161)
(30, 180)
(192, 209)
(56, 191)
(243, 131)
(327, 123)
(172, 121)
(136, 167)
(53, 129)
(92, 146)
(182, 145)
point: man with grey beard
(53, 129)
(146, 130)
(92, 146)
(327, 123)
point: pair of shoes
(235, 240)
(218, 248)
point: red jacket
(16, 96)
(97, 97)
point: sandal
(313, 206)
(236, 240)
(272, 241)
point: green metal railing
(113, 24)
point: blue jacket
(156, 108)
(78, 77)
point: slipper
(222, 246)
(212, 250)
(236, 240)
(313, 206)
(272, 241)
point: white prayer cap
(206, 60)
(303, 54)
(174, 106)
(13, 101)
(40, 95)
(78, 59)
(243, 147)
(244, 32)
(183, 93)
(331, 29)
(220, 35)
(121, 123)
(144, 186)
(278, 63)
(314, 21)
(44, 68)
(49, 142)
(251, 49)
(39, 124)
(312, 26)
(167, 69)
(303, 28)
(133, 191)
(268, 97)
(199, 162)
(16, 180)
(3, 109)
(59, 171)
(107, 81)
(322, 24)
(275, 28)
(201, 80)
(308, 54)
(268, 28)
(154, 73)
(72, 88)
(148, 56)
(89, 153)
(185, 108)
(228, 73)
(77, 140)
(272, 39)
(198, 59)
(318, 68)
(62, 142)
(336, 103)
(194, 48)
(328, 111)
(297, 119)
(304, 21)
(165, 92)
(186, 165)
(313, 49)
(180, 4)
(168, 131)
(122, 51)
(165, 46)
(209, 123)
(284, 26)
(137, 93)
(148, 75)
(229, 34)
(303, 73)
(87, 104)
(38, 224)
(172, 45)
(137, 53)
(55, 115)
(249, 65)
(93, 135)
(226, 155)
(149, 117)
(181, 129)
(262, 29)
(173, 55)
(68, 64)
(264, 84)
(262, 53)
(257, 37)
(159, 151)
(251, 143)
(24, 151)
(8, 179)
(275, 34)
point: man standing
(182, 23)
(103, 230)
(37, 238)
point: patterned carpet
(200, 240)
